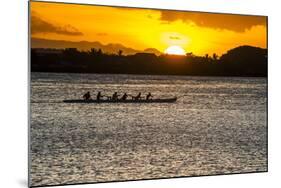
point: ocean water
(217, 126)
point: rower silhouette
(115, 96)
(148, 96)
(87, 96)
(124, 97)
(137, 97)
(99, 96)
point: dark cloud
(174, 38)
(39, 25)
(237, 23)
(149, 16)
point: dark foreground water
(218, 126)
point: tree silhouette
(207, 56)
(99, 52)
(240, 61)
(93, 51)
(120, 53)
(215, 56)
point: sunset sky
(140, 29)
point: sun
(175, 50)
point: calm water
(217, 126)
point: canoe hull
(168, 100)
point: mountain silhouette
(253, 60)
(153, 51)
(111, 48)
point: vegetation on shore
(240, 61)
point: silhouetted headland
(241, 61)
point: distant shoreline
(243, 61)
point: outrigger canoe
(167, 100)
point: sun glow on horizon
(175, 50)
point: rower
(124, 97)
(99, 96)
(148, 96)
(115, 96)
(137, 97)
(87, 96)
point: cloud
(102, 34)
(237, 23)
(39, 25)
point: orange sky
(139, 29)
